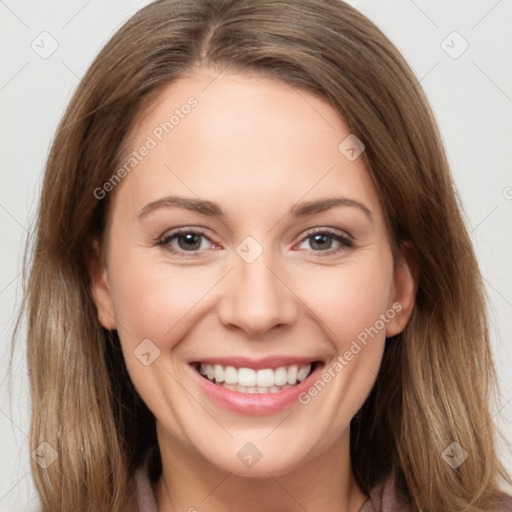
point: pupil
(318, 238)
(191, 241)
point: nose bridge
(258, 300)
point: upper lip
(248, 362)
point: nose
(258, 298)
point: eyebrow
(212, 209)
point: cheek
(157, 302)
(351, 298)
(352, 305)
(152, 299)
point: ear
(100, 288)
(404, 287)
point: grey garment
(383, 497)
(145, 496)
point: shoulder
(386, 497)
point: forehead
(218, 135)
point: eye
(185, 241)
(321, 240)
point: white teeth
(265, 378)
(247, 377)
(293, 371)
(219, 373)
(230, 374)
(255, 389)
(303, 372)
(247, 380)
(280, 376)
(210, 372)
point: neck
(324, 483)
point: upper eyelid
(328, 230)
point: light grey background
(471, 95)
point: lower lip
(256, 404)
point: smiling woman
(276, 305)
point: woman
(318, 341)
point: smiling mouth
(252, 381)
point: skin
(256, 147)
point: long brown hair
(437, 378)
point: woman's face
(247, 243)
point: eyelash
(344, 241)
